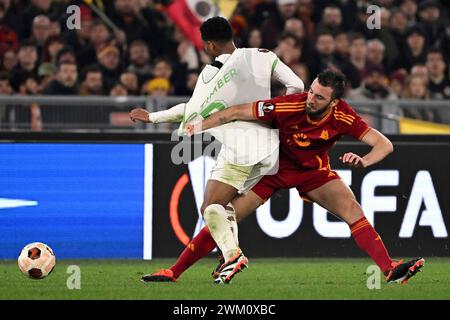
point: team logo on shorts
(264, 107)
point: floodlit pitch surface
(280, 279)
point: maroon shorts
(289, 177)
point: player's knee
(212, 211)
(205, 205)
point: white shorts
(243, 178)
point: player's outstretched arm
(174, 114)
(381, 147)
(283, 74)
(237, 112)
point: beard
(316, 114)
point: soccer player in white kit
(249, 149)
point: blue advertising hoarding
(83, 200)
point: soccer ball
(36, 260)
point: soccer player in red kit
(309, 125)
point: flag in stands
(188, 15)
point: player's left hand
(353, 160)
(189, 130)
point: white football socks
(223, 231)
(232, 219)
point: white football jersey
(244, 77)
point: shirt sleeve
(283, 74)
(266, 110)
(174, 114)
(357, 128)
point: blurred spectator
(78, 39)
(118, 90)
(130, 81)
(374, 86)
(387, 37)
(305, 10)
(27, 84)
(320, 33)
(138, 23)
(13, 16)
(27, 57)
(416, 89)
(55, 28)
(139, 56)
(108, 58)
(398, 24)
(349, 9)
(49, 8)
(8, 37)
(163, 69)
(409, 9)
(40, 31)
(358, 59)
(342, 50)
(295, 26)
(331, 20)
(444, 42)
(239, 25)
(375, 52)
(5, 86)
(46, 73)
(65, 82)
(64, 55)
(397, 82)
(419, 70)
(9, 61)
(92, 81)
(186, 52)
(260, 11)
(273, 26)
(301, 70)
(157, 87)
(254, 39)
(439, 82)
(414, 51)
(99, 36)
(288, 49)
(191, 81)
(429, 14)
(51, 49)
(324, 54)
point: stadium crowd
(145, 53)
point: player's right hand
(140, 115)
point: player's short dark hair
(216, 29)
(334, 79)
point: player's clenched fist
(140, 115)
(353, 160)
(191, 129)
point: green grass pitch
(266, 279)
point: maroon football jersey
(303, 140)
